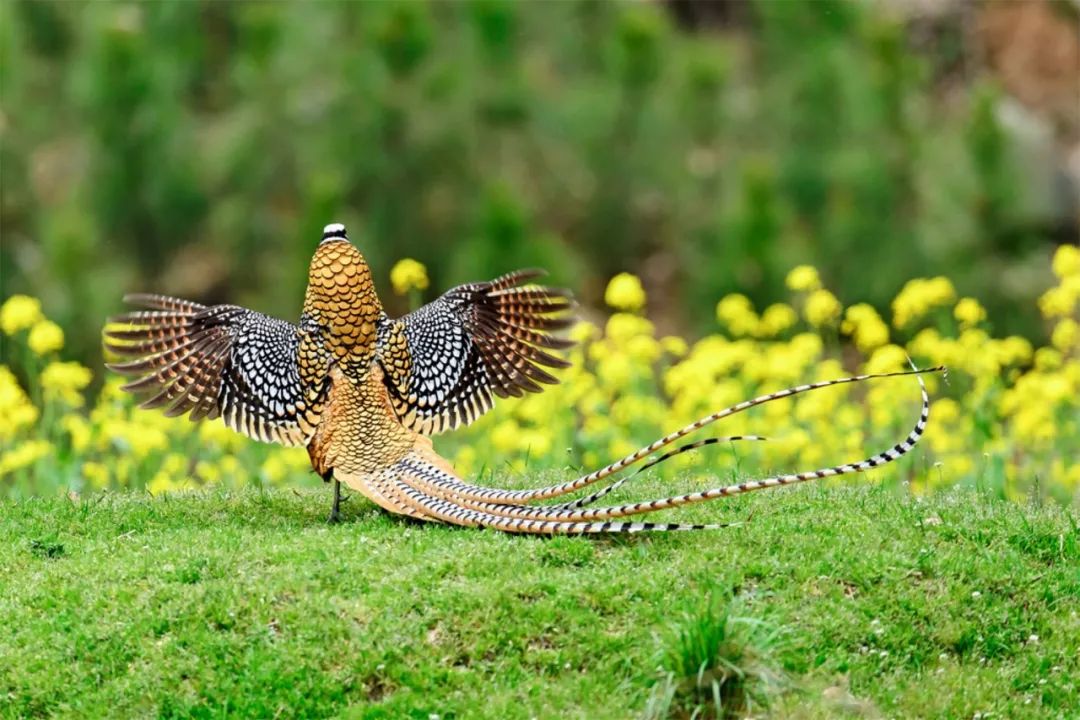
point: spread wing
(217, 361)
(444, 363)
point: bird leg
(335, 509)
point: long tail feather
(520, 497)
(423, 485)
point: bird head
(341, 300)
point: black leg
(335, 514)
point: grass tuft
(719, 664)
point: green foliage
(198, 147)
(248, 604)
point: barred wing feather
(444, 364)
(216, 361)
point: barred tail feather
(423, 485)
(521, 497)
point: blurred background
(197, 148)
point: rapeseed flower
(803, 278)
(969, 312)
(1013, 350)
(674, 345)
(777, 318)
(625, 293)
(887, 358)
(1066, 335)
(504, 437)
(78, 429)
(865, 327)
(408, 274)
(96, 474)
(623, 327)
(24, 455)
(273, 469)
(583, 332)
(65, 381)
(1066, 261)
(1057, 302)
(1047, 358)
(45, 337)
(20, 312)
(737, 313)
(920, 296)
(16, 410)
(822, 308)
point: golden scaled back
(341, 302)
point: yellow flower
(408, 274)
(674, 345)
(505, 436)
(164, 480)
(24, 455)
(644, 349)
(1013, 350)
(969, 312)
(1066, 336)
(803, 278)
(207, 471)
(1067, 261)
(737, 312)
(623, 327)
(217, 434)
(583, 331)
(135, 438)
(274, 469)
(537, 443)
(1047, 359)
(20, 312)
(96, 474)
(1057, 302)
(79, 430)
(65, 380)
(776, 319)
(822, 308)
(46, 337)
(615, 371)
(465, 461)
(888, 358)
(624, 292)
(866, 327)
(919, 296)
(16, 410)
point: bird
(365, 393)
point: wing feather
(221, 360)
(444, 363)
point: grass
(248, 604)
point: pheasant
(365, 392)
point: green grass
(247, 604)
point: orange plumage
(363, 391)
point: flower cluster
(1006, 418)
(407, 275)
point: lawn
(247, 604)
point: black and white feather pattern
(215, 361)
(445, 363)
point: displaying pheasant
(363, 391)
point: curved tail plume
(423, 485)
